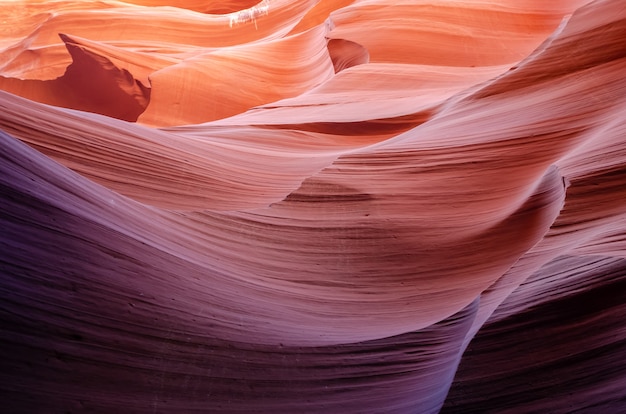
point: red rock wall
(302, 206)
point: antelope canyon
(313, 206)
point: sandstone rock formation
(323, 206)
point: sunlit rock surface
(313, 206)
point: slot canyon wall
(313, 206)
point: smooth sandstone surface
(313, 206)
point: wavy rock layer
(333, 206)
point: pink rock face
(313, 206)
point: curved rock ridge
(313, 206)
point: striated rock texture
(312, 206)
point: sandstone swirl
(323, 206)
